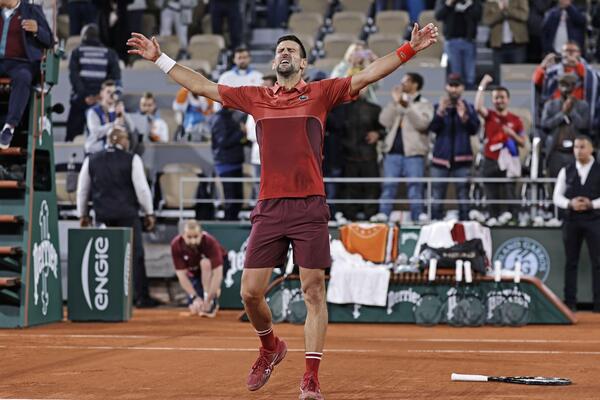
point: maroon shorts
(278, 222)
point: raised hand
(421, 39)
(486, 80)
(148, 49)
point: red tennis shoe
(264, 364)
(310, 388)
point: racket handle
(468, 378)
(468, 273)
(459, 270)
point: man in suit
(24, 35)
(577, 191)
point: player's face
(192, 237)
(500, 100)
(288, 60)
(582, 150)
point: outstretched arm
(149, 50)
(380, 68)
(480, 96)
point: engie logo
(100, 270)
(535, 260)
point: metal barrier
(529, 198)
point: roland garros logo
(533, 256)
(100, 270)
(45, 260)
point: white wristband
(165, 63)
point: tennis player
(290, 117)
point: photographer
(107, 114)
(569, 61)
(454, 121)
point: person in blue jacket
(454, 121)
(24, 35)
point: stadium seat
(207, 47)
(361, 6)
(62, 196)
(196, 64)
(326, 64)
(318, 6)
(392, 22)
(71, 44)
(169, 185)
(305, 23)
(169, 44)
(434, 51)
(336, 44)
(428, 16)
(517, 72)
(308, 41)
(350, 22)
(382, 44)
(206, 24)
(168, 115)
(62, 26)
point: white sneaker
(423, 218)
(476, 215)
(538, 221)
(379, 217)
(504, 218)
(492, 222)
(554, 222)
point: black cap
(454, 79)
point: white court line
(250, 336)
(483, 340)
(200, 349)
(549, 352)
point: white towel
(356, 281)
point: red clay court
(161, 354)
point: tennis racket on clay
(428, 310)
(523, 380)
(457, 318)
(470, 308)
(515, 310)
(496, 298)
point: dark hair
(148, 96)
(586, 138)
(90, 32)
(107, 83)
(416, 78)
(241, 49)
(502, 89)
(293, 38)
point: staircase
(30, 291)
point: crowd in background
(411, 136)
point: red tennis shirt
(290, 127)
(495, 134)
(188, 257)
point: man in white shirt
(242, 74)
(117, 183)
(577, 191)
(148, 123)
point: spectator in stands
(228, 155)
(553, 66)
(173, 15)
(564, 119)
(115, 180)
(460, 18)
(104, 116)
(199, 261)
(148, 123)
(192, 113)
(250, 130)
(577, 191)
(357, 126)
(406, 119)
(503, 133)
(242, 74)
(89, 65)
(414, 7)
(25, 34)
(356, 58)
(454, 122)
(277, 13)
(230, 10)
(507, 20)
(537, 10)
(563, 23)
(81, 13)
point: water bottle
(71, 185)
